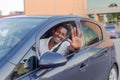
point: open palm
(75, 40)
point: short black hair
(64, 26)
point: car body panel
(98, 60)
(6, 70)
(71, 69)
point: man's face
(59, 34)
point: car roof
(42, 16)
(51, 17)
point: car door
(77, 66)
(100, 64)
(99, 60)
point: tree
(113, 17)
(113, 5)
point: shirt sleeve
(63, 48)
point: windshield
(13, 30)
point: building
(108, 11)
(16, 13)
(55, 7)
(104, 11)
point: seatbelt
(55, 50)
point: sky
(6, 6)
(100, 3)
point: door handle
(106, 51)
(101, 54)
(83, 67)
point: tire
(113, 74)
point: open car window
(48, 34)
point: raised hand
(75, 41)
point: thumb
(70, 41)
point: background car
(112, 29)
(20, 57)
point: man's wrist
(72, 49)
(76, 49)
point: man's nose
(60, 35)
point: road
(117, 45)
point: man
(59, 34)
(57, 40)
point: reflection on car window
(14, 30)
(90, 33)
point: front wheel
(113, 75)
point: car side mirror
(52, 59)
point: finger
(80, 34)
(72, 32)
(75, 31)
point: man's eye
(57, 31)
(63, 35)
